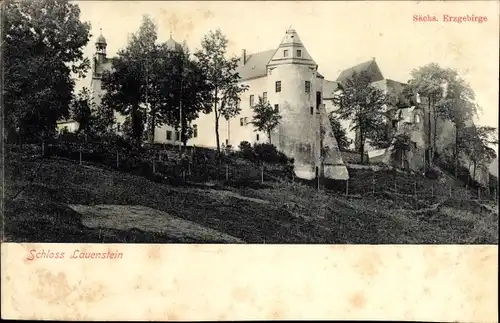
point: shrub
(246, 150)
(268, 153)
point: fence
(162, 163)
(201, 165)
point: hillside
(58, 200)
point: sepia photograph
(163, 122)
(249, 160)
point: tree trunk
(429, 130)
(152, 128)
(468, 172)
(456, 152)
(362, 146)
(434, 134)
(474, 171)
(136, 121)
(216, 123)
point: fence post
(43, 148)
(80, 154)
(347, 187)
(227, 172)
(479, 193)
(318, 179)
(117, 160)
(262, 173)
(189, 167)
(466, 193)
(415, 189)
(432, 190)
(183, 175)
(373, 185)
(154, 166)
(450, 190)
(395, 187)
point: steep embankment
(273, 212)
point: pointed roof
(172, 44)
(370, 67)
(292, 51)
(101, 39)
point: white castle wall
(296, 135)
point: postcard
(250, 160)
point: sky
(337, 34)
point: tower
(100, 49)
(295, 87)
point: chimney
(243, 57)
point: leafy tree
(361, 103)
(477, 144)
(401, 145)
(221, 78)
(430, 82)
(189, 88)
(93, 119)
(458, 106)
(339, 132)
(265, 118)
(127, 87)
(42, 50)
(81, 109)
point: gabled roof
(329, 89)
(292, 51)
(256, 65)
(370, 67)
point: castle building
(288, 78)
(102, 63)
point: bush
(268, 153)
(246, 150)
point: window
(102, 85)
(308, 86)
(169, 135)
(312, 110)
(318, 99)
(177, 136)
(241, 121)
(276, 108)
(227, 142)
(195, 131)
(264, 97)
(299, 53)
(285, 53)
(417, 118)
(278, 86)
(257, 137)
(251, 100)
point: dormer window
(299, 53)
(285, 53)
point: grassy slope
(297, 213)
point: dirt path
(126, 217)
